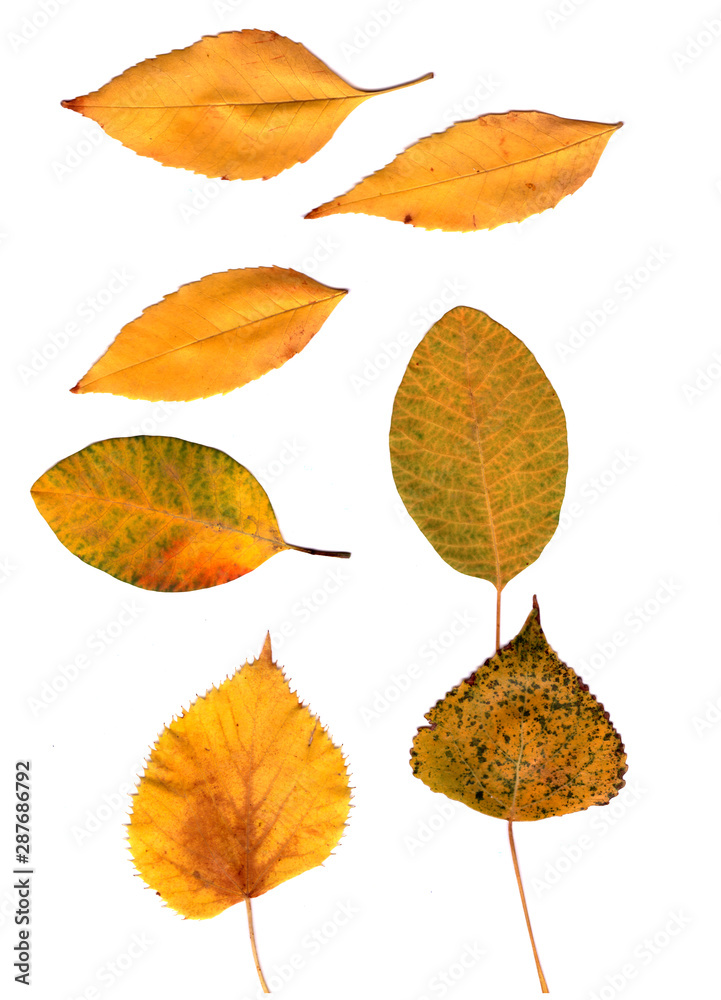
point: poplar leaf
(213, 335)
(481, 173)
(161, 513)
(478, 447)
(242, 104)
(522, 738)
(241, 792)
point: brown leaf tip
(536, 612)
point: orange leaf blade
(213, 335)
(241, 792)
(239, 105)
(159, 512)
(480, 174)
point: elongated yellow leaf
(214, 335)
(478, 447)
(522, 738)
(241, 792)
(479, 174)
(161, 513)
(242, 104)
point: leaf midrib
(228, 104)
(474, 173)
(128, 504)
(481, 457)
(203, 340)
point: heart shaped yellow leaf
(161, 513)
(241, 792)
(242, 104)
(213, 335)
(478, 447)
(481, 173)
(522, 738)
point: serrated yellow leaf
(481, 173)
(161, 513)
(213, 335)
(241, 792)
(522, 738)
(242, 104)
(478, 447)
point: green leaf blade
(478, 447)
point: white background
(421, 887)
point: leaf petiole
(251, 930)
(544, 984)
(318, 552)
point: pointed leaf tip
(266, 652)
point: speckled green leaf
(522, 738)
(161, 513)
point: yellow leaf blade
(482, 173)
(241, 792)
(213, 335)
(478, 447)
(159, 512)
(522, 738)
(242, 104)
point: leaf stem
(498, 618)
(319, 552)
(252, 945)
(402, 86)
(544, 984)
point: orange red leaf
(161, 513)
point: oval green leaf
(478, 447)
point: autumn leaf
(213, 335)
(478, 447)
(242, 104)
(521, 739)
(241, 792)
(161, 513)
(481, 173)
